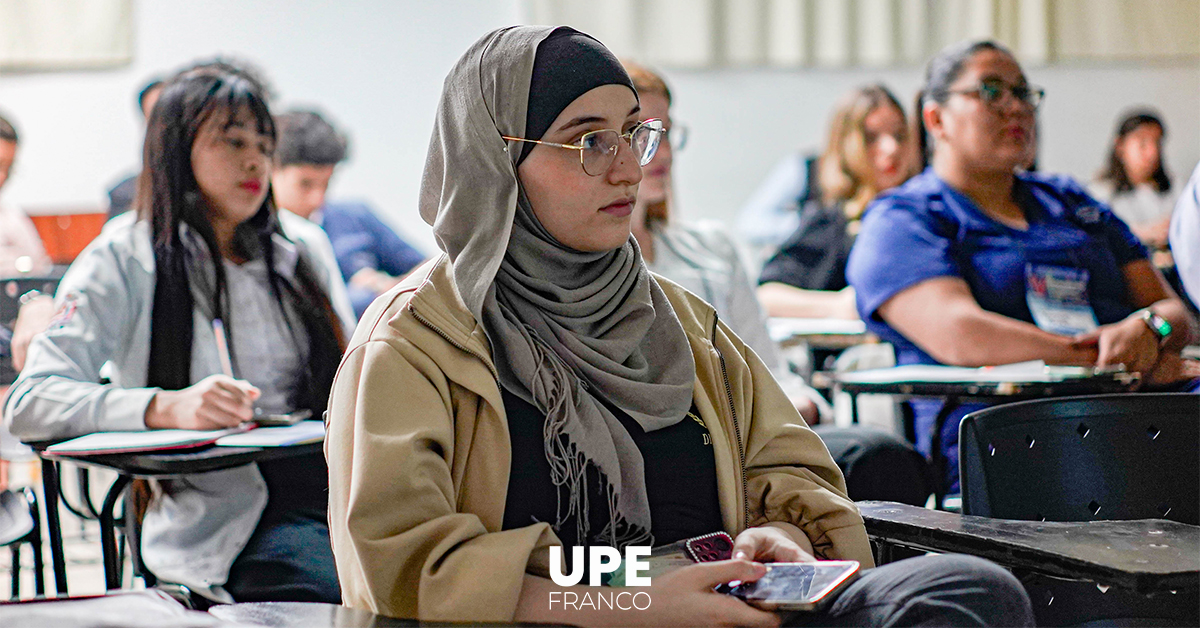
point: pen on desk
(222, 347)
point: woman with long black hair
(206, 245)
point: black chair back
(1123, 456)
(1104, 457)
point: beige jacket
(419, 458)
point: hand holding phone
(796, 586)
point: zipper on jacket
(486, 361)
(737, 431)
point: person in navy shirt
(971, 263)
(370, 255)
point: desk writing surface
(211, 458)
(316, 615)
(827, 333)
(1142, 555)
(1012, 380)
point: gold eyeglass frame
(628, 137)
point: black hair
(306, 138)
(941, 72)
(8, 132)
(154, 84)
(1114, 170)
(168, 197)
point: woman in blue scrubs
(972, 263)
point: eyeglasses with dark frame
(597, 149)
(991, 91)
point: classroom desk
(315, 615)
(1143, 556)
(139, 465)
(151, 608)
(1002, 389)
(819, 333)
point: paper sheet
(298, 434)
(127, 442)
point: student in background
(1134, 181)
(205, 244)
(701, 256)
(120, 197)
(21, 250)
(869, 150)
(951, 267)
(371, 256)
(556, 392)
(1185, 236)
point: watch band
(1157, 324)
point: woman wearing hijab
(535, 385)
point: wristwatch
(1157, 324)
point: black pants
(288, 559)
(947, 590)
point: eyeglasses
(676, 136)
(598, 149)
(991, 91)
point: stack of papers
(301, 433)
(1035, 371)
(169, 440)
(782, 329)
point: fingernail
(739, 555)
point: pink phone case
(709, 547)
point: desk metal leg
(53, 527)
(108, 533)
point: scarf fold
(571, 332)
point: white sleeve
(1185, 236)
(59, 393)
(748, 320)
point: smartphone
(797, 586)
(280, 420)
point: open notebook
(1021, 372)
(168, 440)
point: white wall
(377, 67)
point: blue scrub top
(926, 229)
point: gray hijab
(570, 331)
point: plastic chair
(1104, 457)
(20, 523)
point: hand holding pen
(215, 402)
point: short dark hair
(941, 71)
(306, 138)
(8, 132)
(154, 84)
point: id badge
(1058, 299)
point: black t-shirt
(681, 477)
(814, 256)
